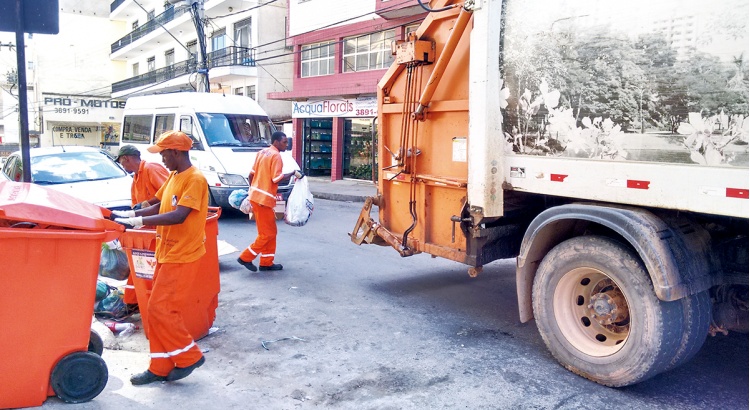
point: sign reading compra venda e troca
(336, 107)
(81, 120)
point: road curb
(339, 197)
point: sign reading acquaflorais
(338, 107)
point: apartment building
(157, 49)
(68, 78)
(340, 52)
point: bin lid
(22, 201)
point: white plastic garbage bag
(299, 206)
(237, 198)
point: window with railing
(219, 40)
(152, 24)
(192, 48)
(251, 91)
(368, 52)
(151, 63)
(136, 69)
(242, 33)
(317, 59)
(169, 58)
(239, 91)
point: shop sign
(341, 107)
(85, 134)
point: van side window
(163, 123)
(186, 125)
(136, 129)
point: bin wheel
(79, 377)
(96, 344)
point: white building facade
(157, 49)
(69, 77)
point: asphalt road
(383, 332)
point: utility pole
(198, 14)
(23, 112)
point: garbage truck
(603, 145)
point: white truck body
(603, 145)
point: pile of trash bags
(109, 302)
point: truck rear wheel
(597, 312)
(696, 313)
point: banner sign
(340, 107)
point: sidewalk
(343, 190)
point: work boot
(182, 372)
(146, 378)
(275, 266)
(248, 265)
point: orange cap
(172, 140)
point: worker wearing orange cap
(264, 183)
(148, 177)
(180, 219)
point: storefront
(81, 120)
(338, 137)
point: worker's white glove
(124, 214)
(135, 222)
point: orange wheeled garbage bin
(50, 245)
(203, 298)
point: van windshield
(236, 130)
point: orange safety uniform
(146, 182)
(178, 250)
(266, 174)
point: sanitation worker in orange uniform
(264, 183)
(148, 177)
(180, 219)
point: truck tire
(597, 312)
(696, 314)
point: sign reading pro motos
(340, 107)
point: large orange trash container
(50, 245)
(203, 298)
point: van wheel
(597, 312)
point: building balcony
(393, 9)
(149, 26)
(226, 57)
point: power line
(333, 24)
(208, 20)
(162, 26)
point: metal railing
(115, 4)
(232, 56)
(228, 56)
(156, 76)
(149, 26)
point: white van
(227, 132)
